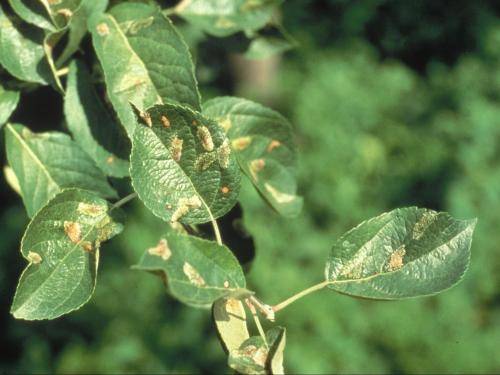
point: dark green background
(395, 103)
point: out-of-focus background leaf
(395, 103)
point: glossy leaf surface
(262, 141)
(62, 246)
(34, 12)
(45, 163)
(408, 252)
(198, 272)
(144, 59)
(77, 27)
(92, 126)
(22, 52)
(182, 167)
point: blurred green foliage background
(395, 103)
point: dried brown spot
(87, 246)
(146, 117)
(396, 260)
(102, 29)
(73, 231)
(110, 159)
(165, 121)
(176, 148)
(194, 123)
(162, 250)
(193, 276)
(273, 144)
(90, 209)
(241, 143)
(34, 258)
(224, 190)
(205, 138)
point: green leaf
(22, 52)
(61, 11)
(62, 245)
(223, 17)
(182, 167)
(77, 27)
(34, 12)
(160, 46)
(408, 252)
(230, 319)
(92, 126)
(45, 163)
(198, 272)
(255, 357)
(273, 42)
(262, 141)
(49, 15)
(144, 59)
(8, 103)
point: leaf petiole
(305, 292)
(123, 201)
(251, 306)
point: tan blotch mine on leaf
(87, 246)
(224, 190)
(34, 258)
(205, 138)
(226, 285)
(225, 123)
(89, 209)
(204, 161)
(422, 225)
(73, 231)
(223, 153)
(161, 250)
(256, 166)
(273, 144)
(110, 159)
(193, 276)
(65, 12)
(396, 260)
(279, 196)
(224, 23)
(103, 29)
(241, 143)
(176, 148)
(184, 205)
(165, 121)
